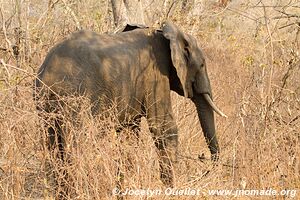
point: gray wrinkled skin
(136, 70)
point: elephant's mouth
(212, 104)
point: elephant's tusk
(214, 107)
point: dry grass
(254, 69)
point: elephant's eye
(187, 54)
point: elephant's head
(189, 62)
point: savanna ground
(252, 50)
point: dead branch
(9, 44)
(291, 24)
(286, 15)
(72, 13)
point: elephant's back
(103, 66)
(85, 53)
(69, 67)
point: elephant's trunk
(206, 117)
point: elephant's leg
(166, 140)
(134, 129)
(55, 116)
(119, 178)
(125, 161)
(120, 163)
(59, 158)
(56, 140)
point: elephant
(137, 68)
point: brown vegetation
(252, 51)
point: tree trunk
(119, 12)
(127, 11)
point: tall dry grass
(253, 63)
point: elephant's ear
(179, 53)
